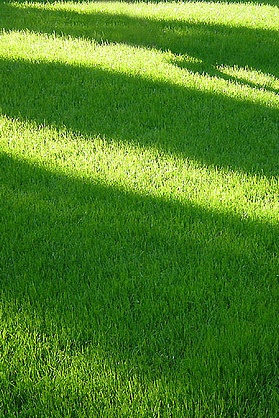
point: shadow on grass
(167, 290)
(231, 133)
(257, 2)
(212, 44)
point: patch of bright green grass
(139, 209)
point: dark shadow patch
(256, 2)
(212, 44)
(154, 285)
(210, 128)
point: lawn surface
(139, 162)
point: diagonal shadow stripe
(156, 285)
(262, 2)
(213, 44)
(231, 133)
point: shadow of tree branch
(94, 102)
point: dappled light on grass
(252, 77)
(103, 282)
(139, 62)
(139, 209)
(141, 96)
(145, 171)
(138, 96)
(236, 15)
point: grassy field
(139, 217)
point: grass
(139, 209)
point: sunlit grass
(237, 15)
(143, 171)
(145, 63)
(139, 209)
(255, 77)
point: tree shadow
(154, 284)
(257, 2)
(231, 133)
(211, 44)
(202, 68)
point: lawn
(139, 217)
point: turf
(139, 209)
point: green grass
(139, 209)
